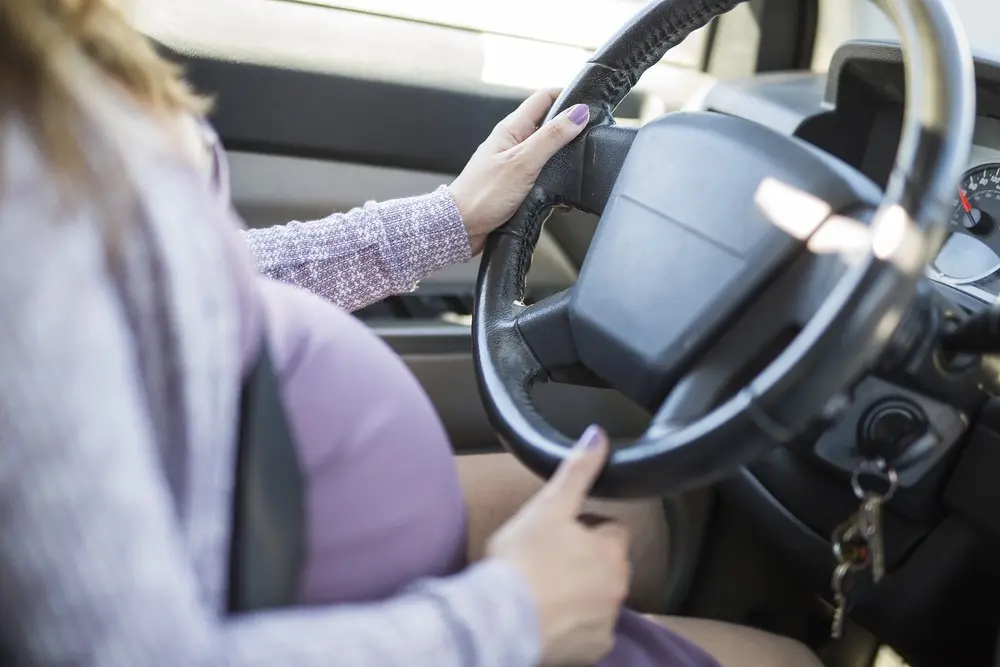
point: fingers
(569, 487)
(539, 148)
(614, 540)
(526, 118)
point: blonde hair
(37, 38)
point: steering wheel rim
(823, 359)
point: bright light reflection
(587, 24)
(898, 240)
(894, 237)
(841, 235)
(796, 212)
(521, 63)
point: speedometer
(972, 251)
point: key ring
(877, 468)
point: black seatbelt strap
(268, 540)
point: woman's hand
(506, 165)
(579, 575)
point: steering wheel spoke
(604, 150)
(545, 328)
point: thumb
(569, 487)
(553, 135)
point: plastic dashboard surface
(866, 78)
(855, 113)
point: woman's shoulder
(151, 211)
(37, 207)
(130, 210)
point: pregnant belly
(383, 501)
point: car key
(838, 583)
(850, 543)
(870, 523)
(869, 517)
(852, 547)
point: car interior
(815, 440)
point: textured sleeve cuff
(423, 234)
(375, 250)
(493, 613)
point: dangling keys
(869, 517)
(850, 546)
(857, 543)
(840, 580)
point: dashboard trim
(860, 55)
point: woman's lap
(384, 502)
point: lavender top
(118, 410)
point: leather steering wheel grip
(641, 43)
(602, 84)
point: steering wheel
(721, 290)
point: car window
(560, 22)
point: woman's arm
(360, 257)
(357, 258)
(93, 565)
(354, 259)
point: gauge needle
(968, 209)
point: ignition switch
(889, 428)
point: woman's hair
(37, 40)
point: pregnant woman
(130, 316)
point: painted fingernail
(579, 114)
(591, 438)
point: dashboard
(970, 258)
(855, 112)
(969, 261)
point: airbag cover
(680, 249)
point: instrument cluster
(969, 261)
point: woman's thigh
(383, 501)
(496, 485)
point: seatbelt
(267, 547)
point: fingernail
(591, 438)
(579, 114)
